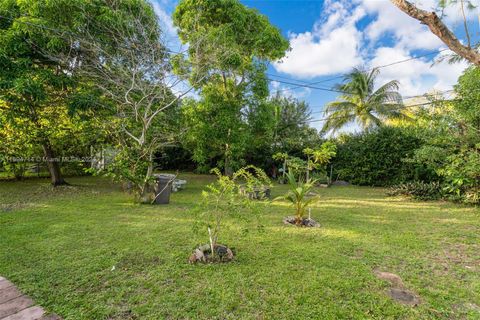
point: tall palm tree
(361, 103)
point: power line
(334, 90)
(307, 84)
(399, 108)
(287, 78)
(425, 95)
(296, 86)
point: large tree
(30, 83)
(40, 92)
(105, 55)
(360, 102)
(278, 124)
(128, 63)
(229, 45)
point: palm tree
(361, 103)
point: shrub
(417, 190)
(377, 158)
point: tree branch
(438, 28)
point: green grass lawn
(59, 247)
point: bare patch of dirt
(397, 291)
(465, 256)
(404, 296)
(137, 261)
(394, 279)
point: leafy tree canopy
(227, 38)
(229, 45)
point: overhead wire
(304, 84)
(296, 85)
(344, 116)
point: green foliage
(131, 166)
(417, 190)
(299, 195)
(227, 37)
(452, 148)
(327, 151)
(378, 157)
(467, 107)
(216, 135)
(253, 178)
(219, 131)
(278, 124)
(297, 166)
(281, 156)
(319, 158)
(39, 92)
(291, 131)
(360, 102)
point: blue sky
(328, 38)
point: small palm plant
(299, 196)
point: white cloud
(416, 76)
(406, 31)
(170, 35)
(164, 19)
(331, 47)
(419, 75)
(336, 44)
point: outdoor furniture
(178, 185)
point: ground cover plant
(86, 251)
(417, 190)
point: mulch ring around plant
(306, 222)
(203, 254)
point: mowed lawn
(88, 252)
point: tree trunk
(228, 168)
(308, 170)
(147, 189)
(53, 167)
